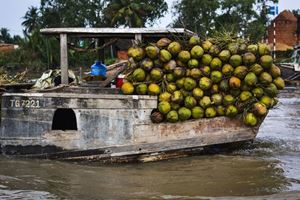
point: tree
(75, 13)
(133, 13)
(31, 19)
(247, 18)
(196, 15)
(5, 37)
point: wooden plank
(64, 59)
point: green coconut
(195, 73)
(258, 92)
(242, 48)
(206, 45)
(231, 111)
(214, 89)
(170, 66)
(163, 42)
(156, 74)
(216, 64)
(224, 55)
(224, 85)
(256, 69)
(235, 92)
(177, 97)
(205, 83)
(227, 70)
(228, 100)
(136, 53)
(217, 99)
(153, 89)
(205, 71)
(266, 61)
(139, 75)
(249, 59)
(234, 82)
(184, 113)
(275, 71)
(235, 60)
(197, 93)
(271, 90)
(165, 96)
(259, 109)
(172, 116)
(210, 112)
(171, 87)
(279, 82)
(240, 72)
(147, 64)
(165, 56)
(170, 77)
(206, 59)
(184, 56)
(174, 48)
(175, 106)
(253, 48)
(233, 48)
(216, 76)
(164, 107)
(251, 79)
(189, 84)
(194, 40)
(190, 102)
(205, 102)
(250, 119)
(197, 112)
(197, 52)
(127, 88)
(266, 100)
(179, 72)
(245, 96)
(193, 63)
(180, 83)
(214, 50)
(220, 110)
(263, 49)
(141, 89)
(265, 78)
(152, 51)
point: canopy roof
(116, 32)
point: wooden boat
(99, 124)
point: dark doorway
(64, 119)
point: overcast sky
(12, 11)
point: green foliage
(245, 18)
(133, 13)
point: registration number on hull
(28, 103)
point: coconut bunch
(196, 79)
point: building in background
(286, 31)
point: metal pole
(64, 59)
(274, 39)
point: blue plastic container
(98, 69)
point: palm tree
(31, 21)
(133, 13)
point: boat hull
(109, 128)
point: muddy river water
(268, 168)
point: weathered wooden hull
(109, 128)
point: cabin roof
(116, 32)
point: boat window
(64, 119)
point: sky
(12, 11)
